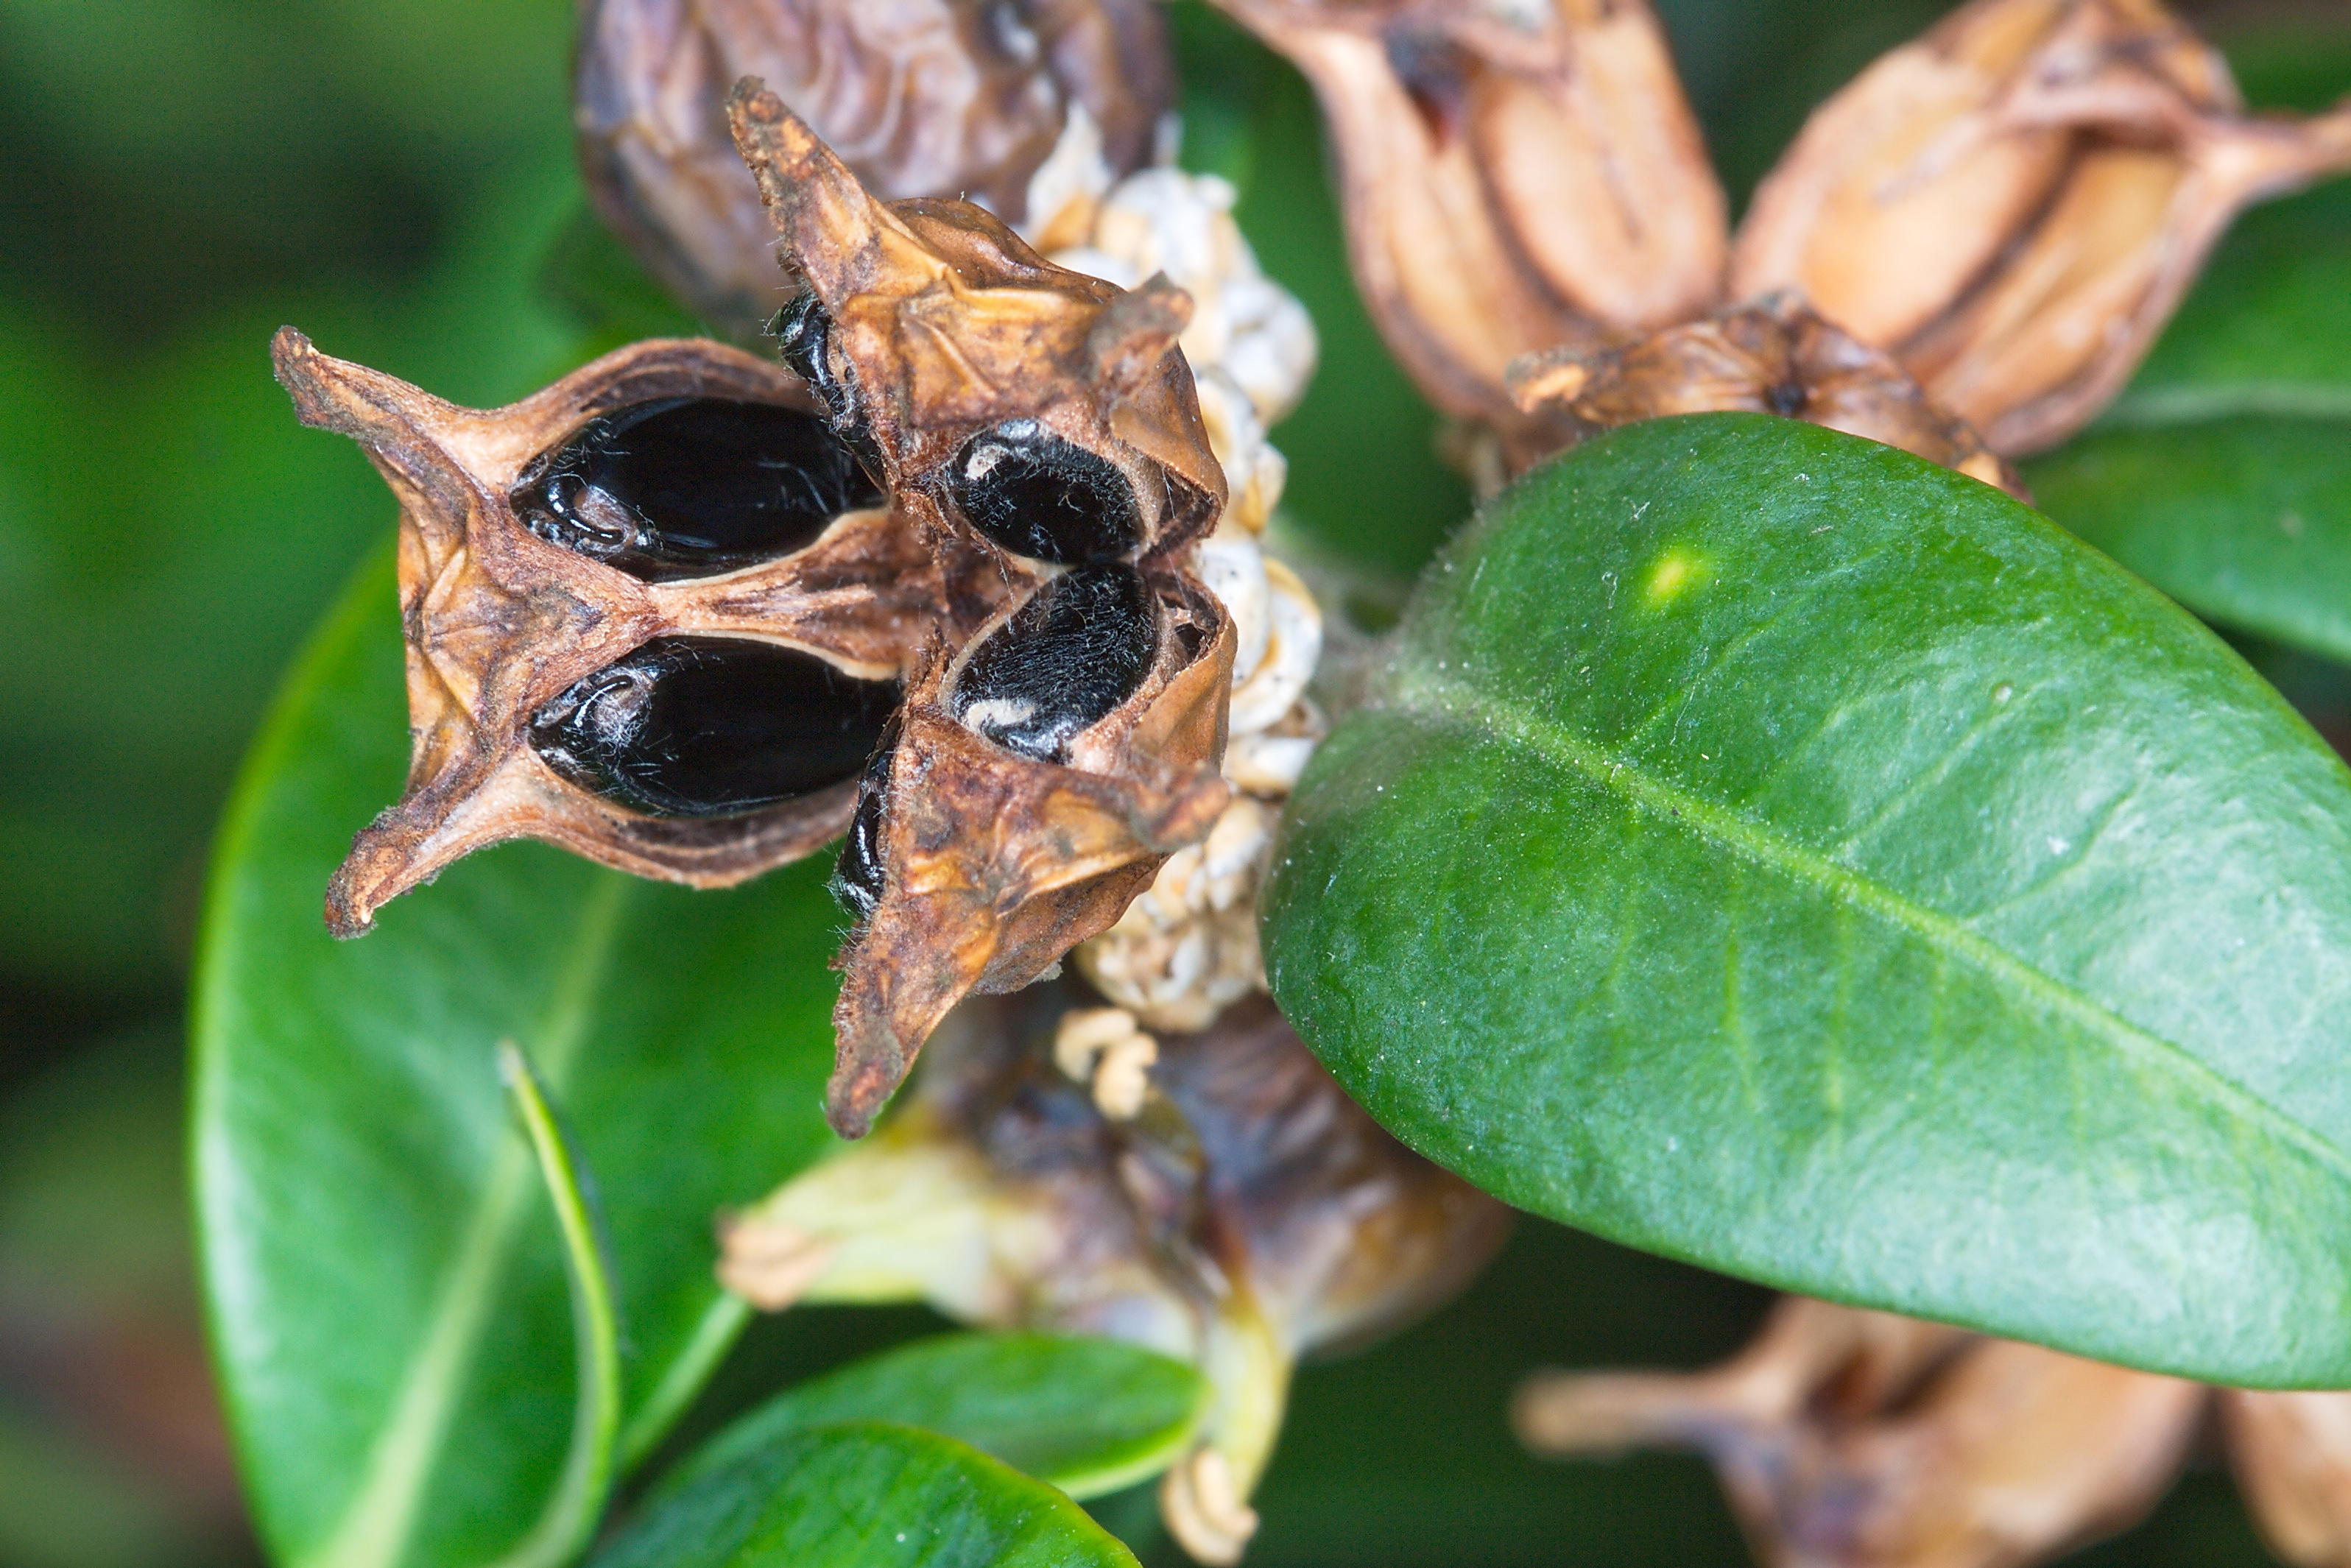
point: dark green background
(178, 177)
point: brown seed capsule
(2015, 203)
(1774, 356)
(1852, 1439)
(1242, 1212)
(1063, 735)
(1516, 177)
(655, 614)
(1020, 104)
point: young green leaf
(1777, 851)
(385, 1280)
(1089, 1416)
(864, 1495)
(2247, 521)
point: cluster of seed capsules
(973, 577)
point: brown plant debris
(2292, 1455)
(1857, 1439)
(1032, 107)
(567, 607)
(1774, 356)
(2015, 203)
(1516, 177)
(1246, 1213)
(1062, 734)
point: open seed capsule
(645, 716)
(708, 726)
(685, 487)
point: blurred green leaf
(1777, 851)
(590, 277)
(862, 1494)
(1087, 1415)
(2246, 521)
(385, 1285)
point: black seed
(1064, 660)
(702, 727)
(1786, 397)
(803, 333)
(857, 879)
(1040, 496)
(693, 486)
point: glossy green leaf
(863, 1494)
(385, 1280)
(2247, 521)
(1089, 1416)
(1782, 853)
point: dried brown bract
(1775, 356)
(2015, 203)
(1063, 736)
(1029, 106)
(670, 528)
(1855, 1440)
(1242, 1212)
(1516, 176)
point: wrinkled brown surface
(1514, 180)
(2015, 203)
(944, 323)
(499, 621)
(1775, 356)
(998, 865)
(1855, 1440)
(922, 98)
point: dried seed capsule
(1041, 495)
(1026, 104)
(1857, 1440)
(2291, 1453)
(1076, 650)
(686, 488)
(708, 727)
(2014, 205)
(504, 627)
(1515, 177)
(1239, 1210)
(803, 334)
(1774, 356)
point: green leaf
(1782, 853)
(385, 1283)
(1089, 1416)
(861, 1495)
(2247, 521)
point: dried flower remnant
(1775, 356)
(1516, 176)
(1062, 734)
(2015, 203)
(1032, 106)
(1244, 1213)
(2292, 1455)
(656, 613)
(1857, 1439)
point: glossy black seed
(803, 333)
(1064, 660)
(857, 879)
(704, 726)
(1040, 496)
(693, 486)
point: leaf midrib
(1745, 838)
(377, 1524)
